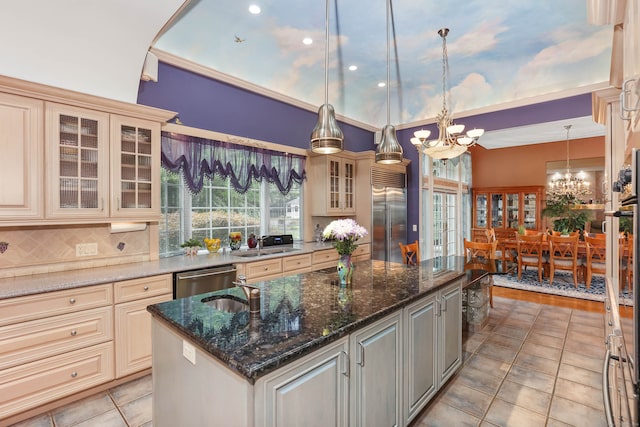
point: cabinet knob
(266, 268)
(146, 288)
(72, 300)
(74, 333)
(74, 374)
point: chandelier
(451, 141)
(568, 184)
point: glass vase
(345, 269)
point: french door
(445, 231)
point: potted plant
(191, 246)
(565, 218)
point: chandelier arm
(326, 54)
(388, 67)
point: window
(218, 209)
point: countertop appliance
(389, 214)
(194, 282)
(620, 376)
(277, 239)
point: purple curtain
(199, 157)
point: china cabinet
(505, 209)
(334, 178)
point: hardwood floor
(556, 300)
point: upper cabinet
(505, 209)
(74, 158)
(21, 162)
(77, 162)
(135, 169)
(334, 178)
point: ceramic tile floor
(532, 365)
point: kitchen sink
(262, 252)
(227, 304)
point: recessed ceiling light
(307, 40)
(353, 67)
(255, 9)
(382, 84)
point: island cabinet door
(312, 391)
(420, 382)
(376, 373)
(449, 340)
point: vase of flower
(345, 233)
(235, 240)
(345, 269)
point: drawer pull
(146, 288)
(72, 300)
(74, 374)
(74, 333)
(266, 268)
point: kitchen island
(373, 353)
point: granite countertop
(56, 281)
(304, 312)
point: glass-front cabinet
(78, 162)
(506, 209)
(135, 167)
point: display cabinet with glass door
(505, 209)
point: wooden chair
(529, 250)
(563, 255)
(410, 253)
(596, 257)
(626, 259)
(501, 253)
(484, 251)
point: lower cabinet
(433, 345)
(311, 392)
(376, 373)
(133, 322)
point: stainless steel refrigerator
(389, 221)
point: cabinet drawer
(263, 268)
(28, 386)
(325, 256)
(24, 342)
(49, 304)
(296, 262)
(131, 290)
(362, 250)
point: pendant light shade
(389, 151)
(326, 137)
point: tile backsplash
(35, 250)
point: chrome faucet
(251, 292)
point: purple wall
(210, 104)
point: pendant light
(326, 137)
(389, 151)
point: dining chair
(484, 251)
(625, 249)
(501, 253)
(410, 253)
(529, 252)
(596, 257)
(563, 255)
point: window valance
(199, 157)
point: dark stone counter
(301, 313)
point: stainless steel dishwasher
(196, 282)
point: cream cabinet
(263, 270)
(77, 162)
(313, 391)
(53, 345)
(22, 159)
(362, 252)
(295, 264)
(334, 179)
(325, 258)
(69, 157)
(133, 322)
(376, 373)
(135, 168)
